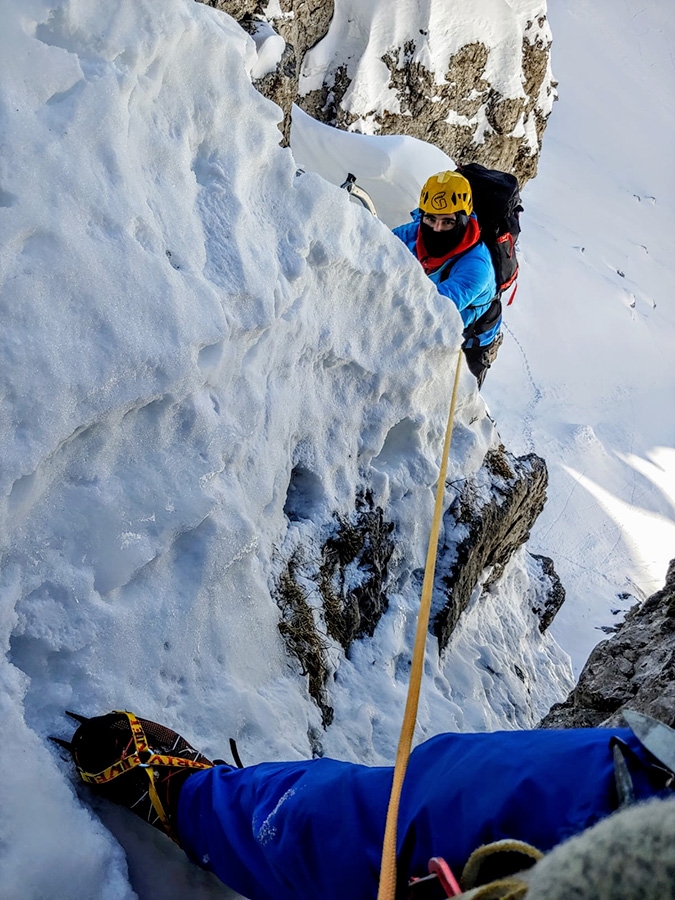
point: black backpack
(496, 202)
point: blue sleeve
(408, 234)
(471, 282)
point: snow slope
(185, 320)
(586, 372)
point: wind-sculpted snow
(186, 322)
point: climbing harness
(387, 886)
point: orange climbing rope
(387, 887)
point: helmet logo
(445, 193)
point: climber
(314, 828)
(445, 237)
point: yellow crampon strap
(143, 757)
(387, 887)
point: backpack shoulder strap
(446, 268)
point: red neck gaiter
(431, 263)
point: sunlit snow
(186, 320)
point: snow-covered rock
(475, 80)
(205, 358)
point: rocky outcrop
(281, 86)
(463, 108)
(352, 610)
(336, 591)
(459, 110)
(494, 514)
(350, 585)
(549, 605)
(465, 115)
(635, 669)
(303, 23)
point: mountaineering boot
(135, 762)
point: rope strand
(387, 887)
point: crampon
(134, 762)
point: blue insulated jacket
(471, 283)
(314, 829)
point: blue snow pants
(314, 829)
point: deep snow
(179, 314)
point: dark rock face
(555, 598)
(497, 509)
(635, 669)
(351, 584)
(303, 639)
(353, 610)
(334, 587)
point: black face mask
(438, 243)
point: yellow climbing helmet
(446, 193)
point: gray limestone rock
(303, 23)
(281, 86)
(635, 669)
(496, 510)
(465, 116)
(451, 114)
